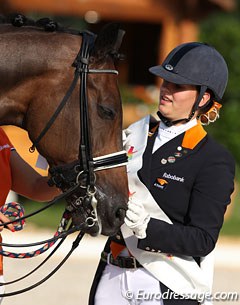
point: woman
(17, 175)
(180, 182)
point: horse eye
(105, 112)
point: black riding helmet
(194, 63)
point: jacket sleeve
(209, 198)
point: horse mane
(46, 24)
(49, 25)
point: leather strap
(127, 262)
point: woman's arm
(29, 183)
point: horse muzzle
(95, 213)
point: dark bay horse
(36, 70)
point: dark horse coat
(191, 177)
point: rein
(48, 205)
(61, 233)
(75, 244)
(36, 268)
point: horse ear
(108, 40)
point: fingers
(5, 219)
(136, 210)
(128, 223)
(134, 213)
(131, 216)
(135, 206)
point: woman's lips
(165, 100)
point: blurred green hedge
(222, 30)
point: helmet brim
(171, 76)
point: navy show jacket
(193, 189)
(191, 177)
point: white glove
(137, 219)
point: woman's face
(176, 101)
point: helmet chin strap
(170, 123)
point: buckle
(127, 262)
(121, 261)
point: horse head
(38, 69)
(105, 125)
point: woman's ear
(206, 97)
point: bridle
(82, 171)
(78, 177)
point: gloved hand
(137, 219)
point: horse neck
(27, 60)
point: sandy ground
(71, 284)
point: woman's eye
(105, 112)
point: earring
(212, 115)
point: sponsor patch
(160, 183)
(173, 177)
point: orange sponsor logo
(162, 181)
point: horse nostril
(120, 214)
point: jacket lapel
(175, 150)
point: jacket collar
(193, 136)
